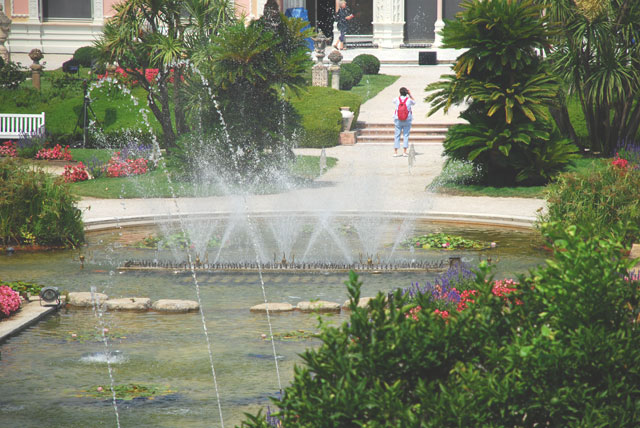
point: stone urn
(335, 57)
(347, 118)
(36, 68)
(5, 27)
(36, 55)
(319, 45)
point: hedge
(319, 109)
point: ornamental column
(34, 12)
(439, 25)
(388, 23)
(98, 12)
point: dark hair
(404, 91)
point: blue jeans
(402, 128)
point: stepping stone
(362, 303)
(318, 306)
(175, 305)
(84, 299)
(273, 307)
(129, 304)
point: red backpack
(403, 111)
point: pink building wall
(108, 7)
(20, 7)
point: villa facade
(62, 26)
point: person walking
(402, 118)
(343, 16)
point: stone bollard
(36, 67)
(5, 27)
(335, 57)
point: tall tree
(597, 54)
(160, 34)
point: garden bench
(14, 125)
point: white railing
(16, 125)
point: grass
(372, 84)
(447, 185)
(86, 155)
(154, 184)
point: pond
(49, 372)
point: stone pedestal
(335, 76)
(348, 138)
(5, 27)
(36, 67)
(319, 75)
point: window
(66, 9)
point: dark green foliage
(86, 55)
(600, 196)
(248, 68)
(11, 74)
(597, 55)
(347, 78)
(368, 63)
(354, 70)
(509, 134)
(559, 351)
(35, 208)
(321, 121)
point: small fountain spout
(283, 262)
(81, 261)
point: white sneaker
(396, 155)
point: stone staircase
(421, 133)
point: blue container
(300, 12)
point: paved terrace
(367, 178)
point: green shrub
(559, 350)
(346, 79)
(11, 74)
(508, 131)
(368, 63)
(35, 208)
(350, 69)
(319, 109)
(601, 196)
(86, 55)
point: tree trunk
(178, 101)
(560, 115)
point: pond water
(45, 371)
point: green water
(44, 369)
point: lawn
(154, 184)
(445, 183)
(372, 84)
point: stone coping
(29, 314)
(518, 222)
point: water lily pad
(444, 241)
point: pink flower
(100, 389)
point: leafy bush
(508, 131)
(25, 289)
(347, 79)
(36, 208)
(352, 70)
(368, 63)
(319, 109)
(86, 55)
(602, 196)
(556, 348)
(9, 301)
(11, 74)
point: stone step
(391, 131)
(413, 139)
(365, 125)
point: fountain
(241, 249)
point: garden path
(367, 177)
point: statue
(5, 27)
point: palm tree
(160, 34)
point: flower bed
(8, 150)
(57, 153)
(75, 173)
(452, 292)
(9, 301)
(119, 166)
(445, 242)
